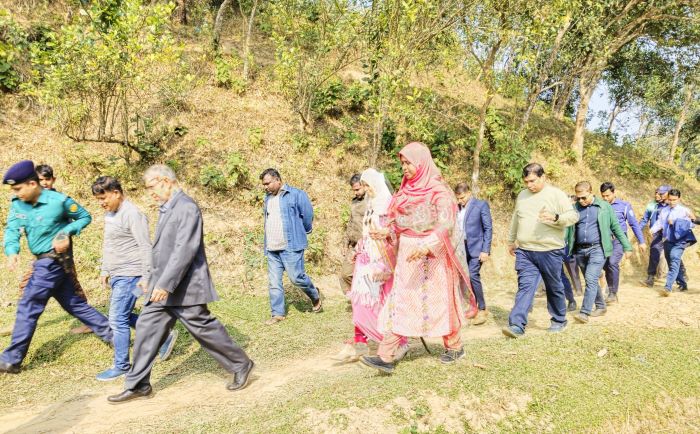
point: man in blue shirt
(47, 219)
(288, 219)
(675, 223)
(625, 214)
(656, 247)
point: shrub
(234, 174)
(226, 73)
(13, 51)
(102, 74)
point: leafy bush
(503, 154)
(226, 73)
(13, 46)
(327, 101)
(255, 137)
(234, 174)
(645, 169)
(213, 178)
(357, 95)
(102, 73)
(237, 170)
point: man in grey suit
(180, 288)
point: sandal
(275, 319)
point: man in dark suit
(475, 219)
(180, 288)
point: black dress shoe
(378, 363)
(131, 394)
(240, 379)
(8, 368)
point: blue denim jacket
(297, 217)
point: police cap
(19, 172)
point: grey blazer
(179, 261)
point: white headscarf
(380, 202)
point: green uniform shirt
(53, 213)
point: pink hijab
(426, 187)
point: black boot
(650, 281)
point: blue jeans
(530, 266)
(674, 252)
(49, 280)
(293, 263)
(122, 317)
(612, 267)
(568, 290)
(591, 261)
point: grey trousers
(153, 327)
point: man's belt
(585, 245)
(50, 254)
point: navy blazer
(478, 227)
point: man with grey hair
(180, 287)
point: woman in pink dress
(373, 273)
(430, 282)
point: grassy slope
(548, 383)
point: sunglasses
(580, 198)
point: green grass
(540, 383)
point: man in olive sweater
(591, 239)
(536, 239)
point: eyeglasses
(580, 198)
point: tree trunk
(616, 111)
(586, 88)
(246, 47)
(476, 162)
(182, 11)
(536, 89)
(680, 122)
(559, 107)
(218, 23)
(642, 125)
(531, 101)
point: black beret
(19, 172)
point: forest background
(321, 89)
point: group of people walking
(172, 274)
(412, 268)
(414, 261)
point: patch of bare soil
(425, 413)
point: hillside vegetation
(321, 90)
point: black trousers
(154, 325)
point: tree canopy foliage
(113, 69)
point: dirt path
(89, 411)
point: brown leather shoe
(81, 330)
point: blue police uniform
(53, 213)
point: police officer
(48, 219)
